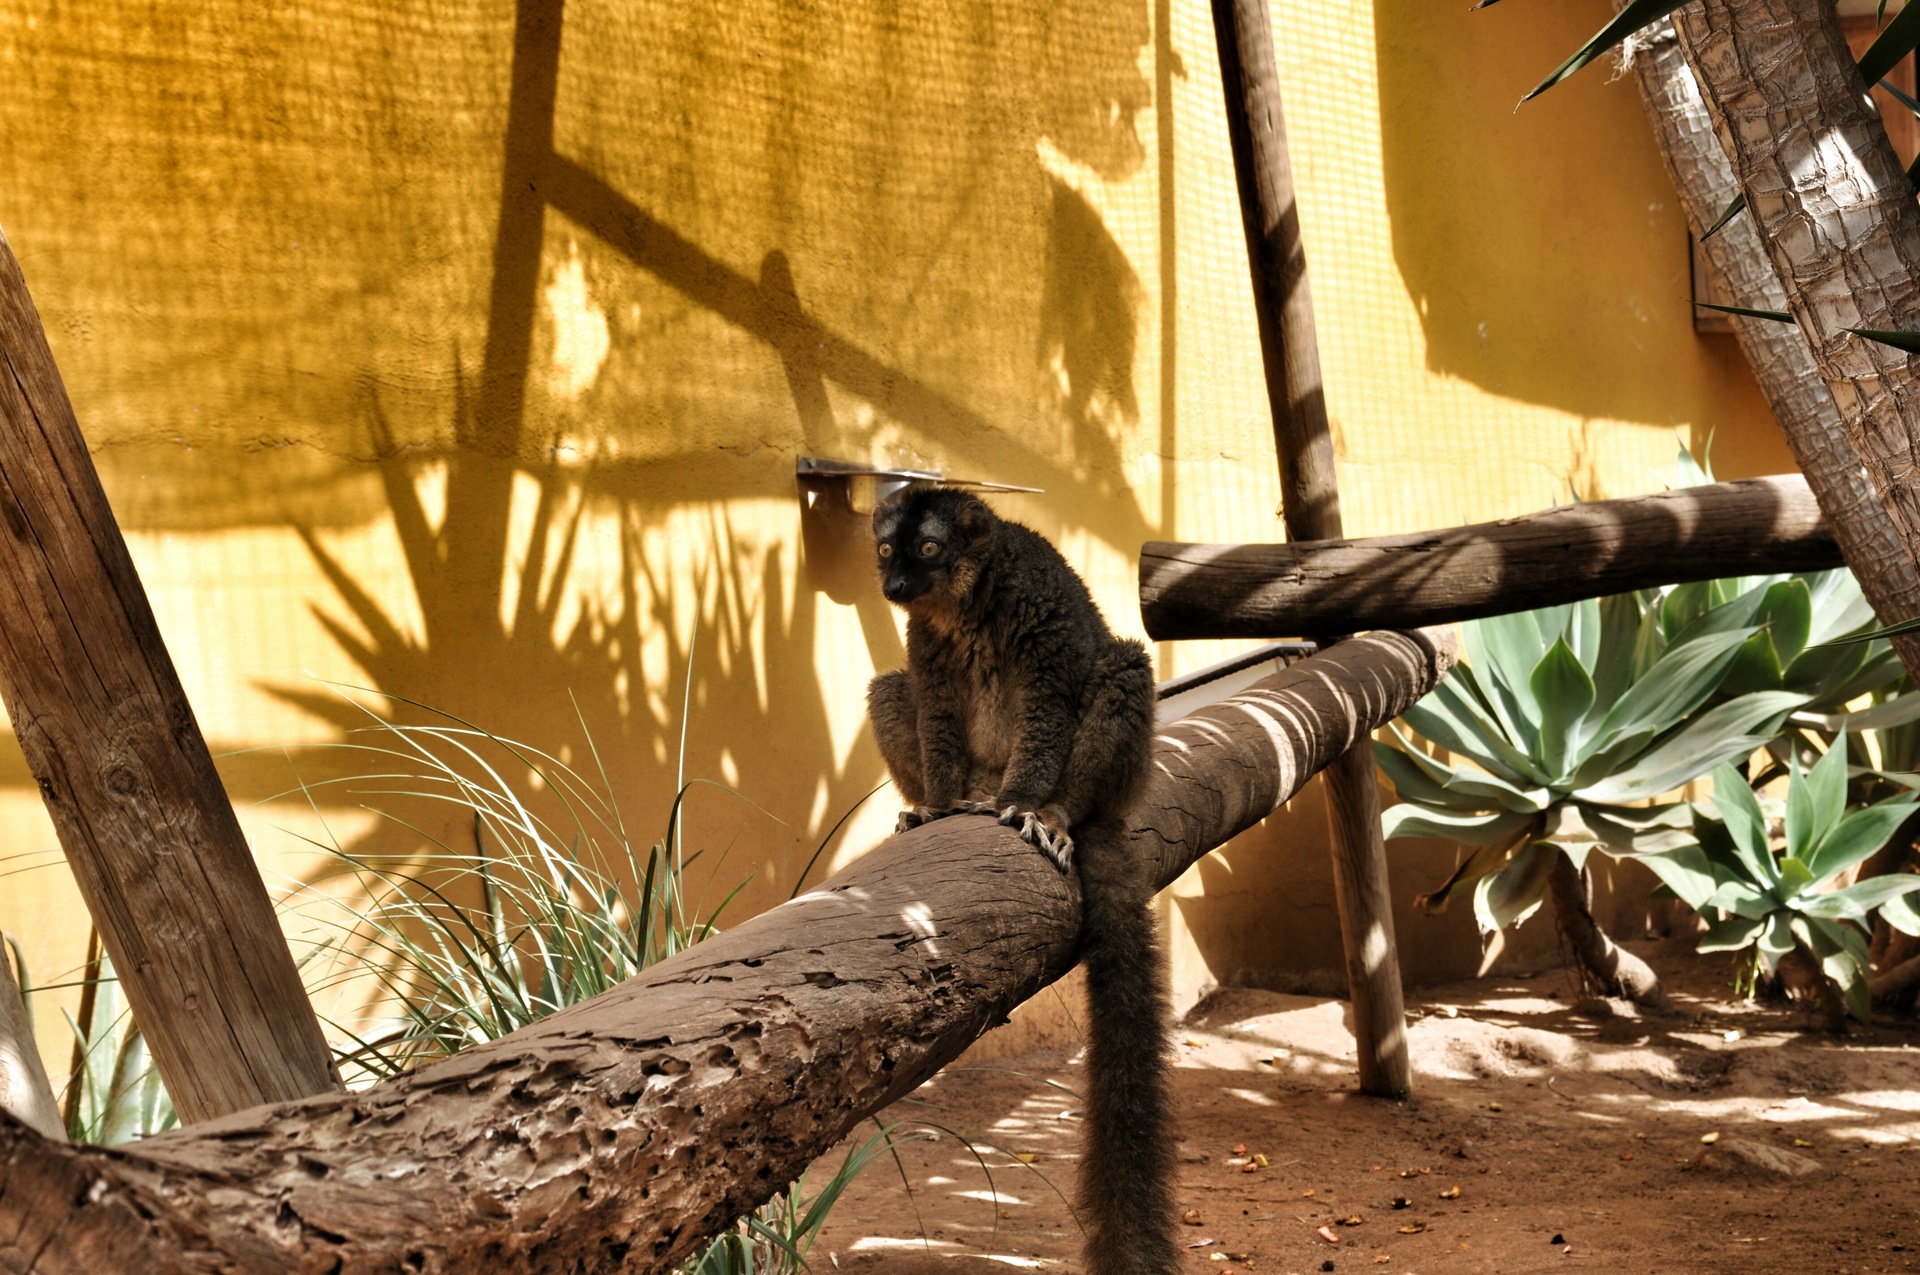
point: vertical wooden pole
(1310, 505)
(122, 767)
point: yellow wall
(463, 352)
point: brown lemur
(1018, 702)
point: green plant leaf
(1470, 783)
(1620, 619)
(1454, 718)
(1776, 940)
(1413, 784)
(1894, 42)
(1503, 649)
(1826, 786)
(1563, 690)
(1687, 873)
(1515, 892)
(1908, 341)
(1795, 876)
(1638, 14)
(1900, 914)
(1859, 899)
(1731, 935)
(1858, 836)
(1745, 824)
(1487, 858)
(1407, 820)
(1724, 733)
(1746, 312)
(1742, 899)
(1891, 630)
(1732, 210)
(1677, 684)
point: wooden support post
(123, 769)
(623, 1132)
(1751, 527)
(1310, 505)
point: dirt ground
(1540, 1137)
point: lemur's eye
(886, 550)
(929, 547)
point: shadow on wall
(723, 235)
(1544, 269)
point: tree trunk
(1782, 363)
(1606, 967)
(1836, 214)
(1490, 568)
(1310, 506)
(110, 738)
(620, 1133)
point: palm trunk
(1835, 213)
(1782, 363)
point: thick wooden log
(620, 1134)
(146, 826)
(1310, 507)
(1491, 568)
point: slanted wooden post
(121, 764)
(1310, 504)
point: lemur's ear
(974, 519)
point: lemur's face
(921, 538)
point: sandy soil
(1539, 1138)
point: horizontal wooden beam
(1542, 559)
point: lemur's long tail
(1127, 1163)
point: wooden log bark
(1491, 568)
(1310, 507)
(1836, 214)
(621, 1133)
(123, 769)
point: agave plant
(1779, 899)
(1563, 724)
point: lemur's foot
(927, 814)
(1045, 831)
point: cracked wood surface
(1489, 568)
(619, 1134)
(1835, 212)
(122, 767)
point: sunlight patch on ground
(943, 1248)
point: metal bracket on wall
(849, 488)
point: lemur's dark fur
(1018, 702)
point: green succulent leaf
(1488, 858)
(1407, 820)
(1776, 940)
(1742, 899)
(1515, 892)
(1452, 716)
(1687, 872)
(1563, 690)
(1727, 214)
(1724, 733)
(1858, 901)
(1677, 684)
(1826, 787)
(1502, 651)
(1795, 877)
(1731, 935)
(1745, 824)
(1414, 784)
(1621, 617)
(1900, 914)
(1858, 836)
